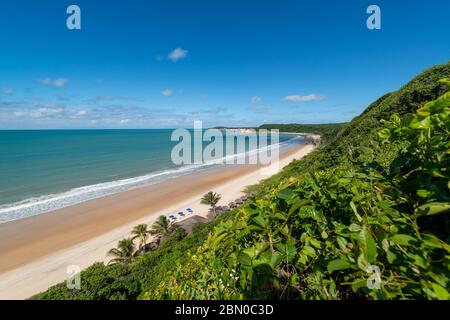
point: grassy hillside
(364, 216)
(363, 128)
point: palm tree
(162, 226)
(124, 253)
(140, 232)
(211, 199)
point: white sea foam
(46, 203)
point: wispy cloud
(107, 98)
(306, 98)
(7, 91)
(255, 100)
(39, 113)
(57, 83)
(167, 93)
(257, 104)
(211, 111)
(110, 98)
(177, 54)
(124, 121)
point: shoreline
(36, 251)
(68, 195)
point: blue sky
(164, 64)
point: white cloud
(38, 113)
(57, 83)
(255, 100)
(167, 93)
(124, 121)
(7, 91)
(307, 98)
(258, 105)
(76, 115)
(177, 54)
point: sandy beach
(35, 252)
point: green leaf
(218, 239)
(293, 279)
(302, 259)
(315, 243)
(403, 239)
(423, 193)
(358, 284)
(423, 124)
(390, 256)
(424, 111)
(287, 248)
(285, 194)
(432, 241)
(368, 246)
(440, 292)
(259, 220)
(246, 256)
(281, 216)
(285, 230)
(342, 242)
(354, 227)
(309, 251)
(338, 264)
(353, 206)
(417, 260)
(433, 208)
(384, 133)
(441, 103)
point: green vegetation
(211, 199)
(142, 233)
(363, 129)
(124, 253)
(131, 281)
(162, 227)
(363, 230)
(326, 130)
(365, 216)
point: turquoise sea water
(43, 170)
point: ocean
(44, 170)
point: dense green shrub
(362, 230)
